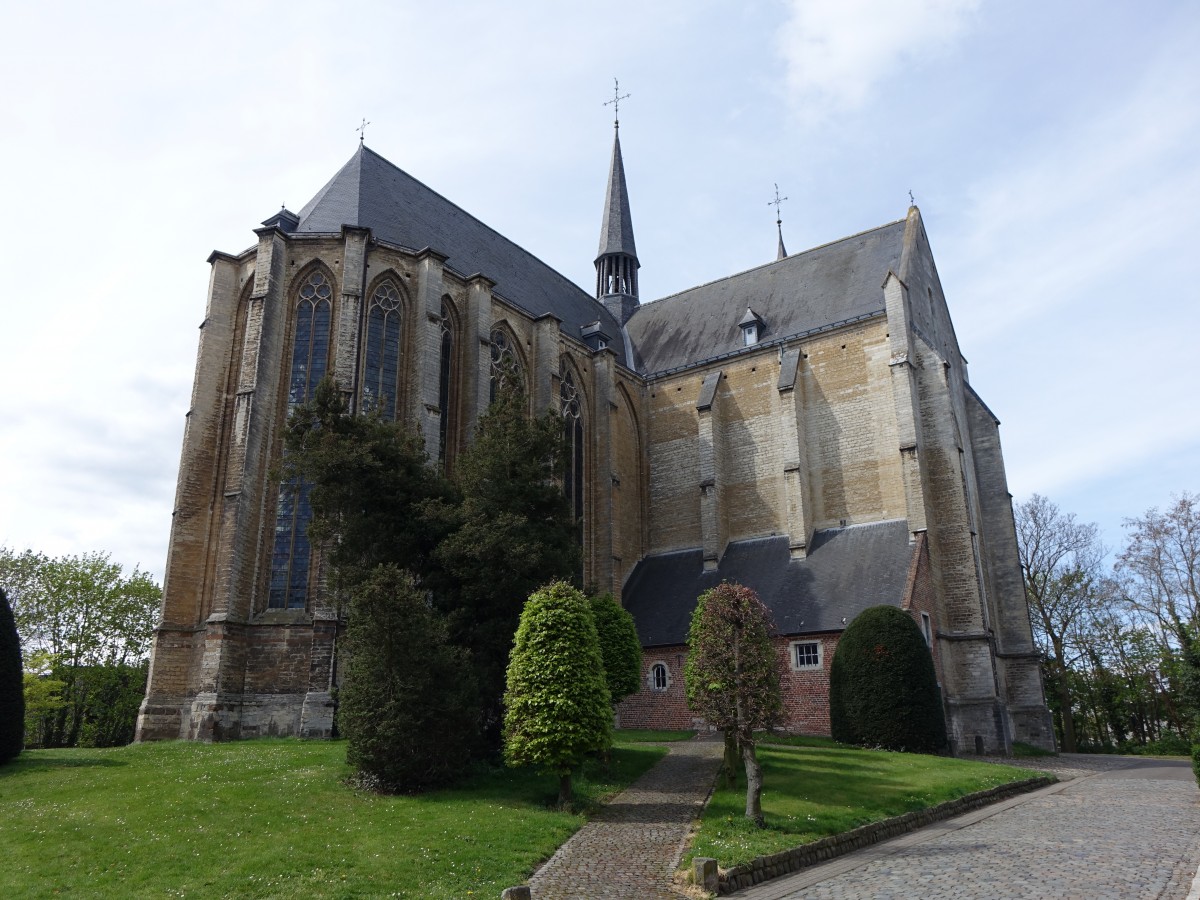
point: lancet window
(572, 414)
(291, 550)
(381, 369)
(506, 368)
(446, 392)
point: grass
(1028, 751)
(272, 818)
(649, 735)
(814, 787)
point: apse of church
(805, 427)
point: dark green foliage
(99, 706)
(557, 707)
(12, 696)
(619, 646)
(512, 533)
(1196, 761)
(372, 488)
(732, 676)
(408, 706)
(882, 685)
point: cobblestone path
(632, 847)
(1129, 833)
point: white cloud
(836, 51)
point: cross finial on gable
(911, 201)
(615, 103)
(777, 202)
(362, 130)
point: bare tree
(1160, 572)
(1061, 560)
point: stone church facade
(805, 428)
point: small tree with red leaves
(732, 674)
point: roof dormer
(753, 327)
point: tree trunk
(753, 781)
(564, 791)
(729, 764)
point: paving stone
(633, 846)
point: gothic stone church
(805, 428)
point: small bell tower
(617, 263)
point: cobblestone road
(1122, 829)
(633, 846)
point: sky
(1051, 148)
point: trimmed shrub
(557, 707)
(882, 685)
(1196, 761)
(619, 646)
(12, 695)
(408, 705)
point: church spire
(617, 263)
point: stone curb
(786, 862)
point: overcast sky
(1051, 147)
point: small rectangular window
(927, 628)
(806, 655)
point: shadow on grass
(39, 761)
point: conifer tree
(512, 532)
(557, 706)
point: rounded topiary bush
(882, 685)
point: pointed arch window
(381, 368)
(446, 392)
(506, 368)
(572, 414)
(291, 551)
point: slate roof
(373, 193)
(846, 571)
(616, 231)
(833, 283)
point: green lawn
(272, 818)
(813, 788)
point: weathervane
(777, 202)
(615, 102)
(362, 130)
(911, 201)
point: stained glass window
(310, 358)
(382, 351)
(445, 385)
(505, 367)
(573, 428)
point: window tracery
(505, 367)
(291, 551)
(381, 369)
(572, 413)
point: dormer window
(752, 327)
(594, 336)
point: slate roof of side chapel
(837, 282)
(371, 192)
(846, 571)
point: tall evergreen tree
(12, 697)
(619, 646)
(512, 532)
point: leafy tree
(86, 614)
(43, 694)
(408, 705)
(619, 646)
(883, 687)
(557, 706)
(12, 698)
(732, 676)
(1061, 563)
(512, 532)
